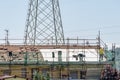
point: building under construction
(46, 51)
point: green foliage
(38, 76)
(48, 76)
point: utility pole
(6, 37)
(99, 45)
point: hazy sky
(82, 18)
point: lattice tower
(44, 24)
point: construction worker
(101, 52)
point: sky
(80, 18)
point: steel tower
(44, 24)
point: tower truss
(44, 24)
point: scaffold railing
(73, 43)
